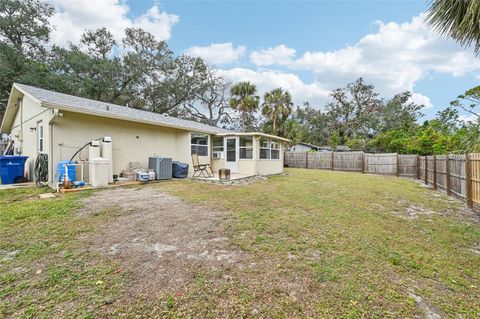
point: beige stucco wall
(255, 166)
(25, 136)
(217, 164)
(271, 167)
(183, 149)
(131, 141)
(246, 167)
(73, 130)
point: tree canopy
(142, 72)
(458, 19)
(277, 106)
(244, 100)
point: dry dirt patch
(160, 240)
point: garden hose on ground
(41, 169)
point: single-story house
(303, 147)
(325, 148)
(43, 121)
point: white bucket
(143, 177)
(151, 175)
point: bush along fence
(457, 175)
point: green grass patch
(352, 236)
(322, 244)
(45, 269)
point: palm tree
(277, 105)
(459, 19)
(244, 99)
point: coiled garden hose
(41, 169)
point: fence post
(306, 159)
(363, 162)
(468, 176)
(434, 172)
(333, 160)
(398, 166)
(447, 173)
(418, 166)
(426, 169)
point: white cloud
(267, 80)
(280, 54)
(217, 53)
(72, 18)
(468, 118)
(394, 58)
(157, 22)
(421, 99)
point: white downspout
(20, 138)
(51, 174)
(256, 153)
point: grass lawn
(321, 244)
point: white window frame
(240, 147)
(217, 148)
(273, 145)
(40, 137)
(199, 145)
(276, 148)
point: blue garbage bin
(11, 168)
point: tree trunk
(243, 121)
(275, 116)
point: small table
(224, 174)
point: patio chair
(201, 169)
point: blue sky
(308, 47)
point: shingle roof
(83, 105)
(307, 144)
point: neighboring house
(325, 148)
(42, 121)
(303, 147)
(342, 148)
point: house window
(217, 144)
(264, 148)
(246, 147)
(199, 144)
(40, 140)
(275, 150)
(269, 149)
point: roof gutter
(55, 114)
(254, 134)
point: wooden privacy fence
(457, 175)
(381, 164)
